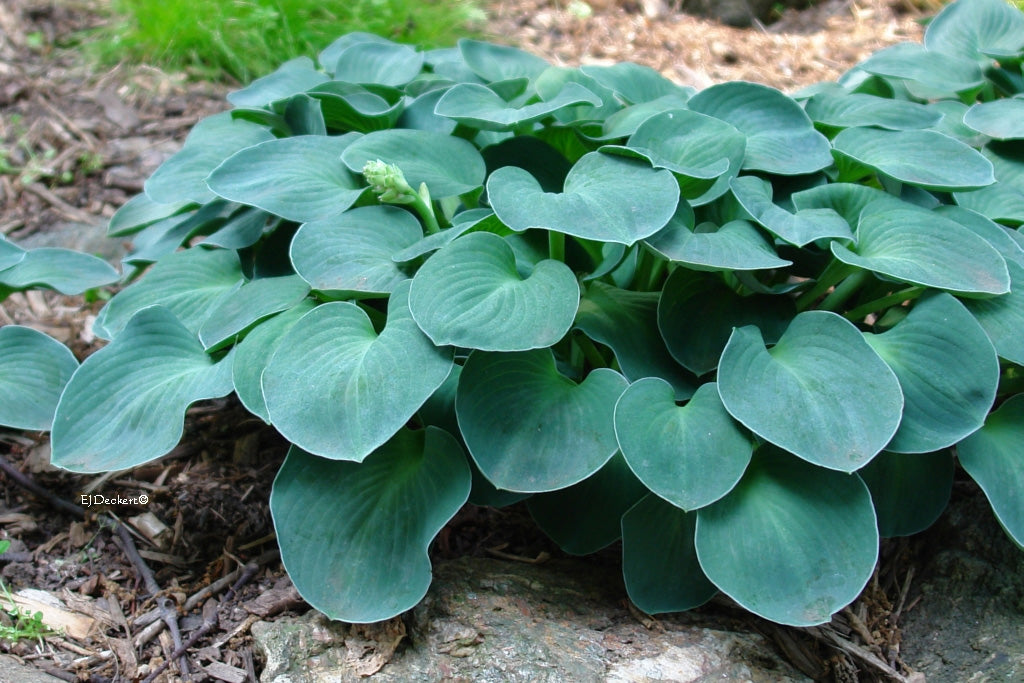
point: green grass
(243, 39)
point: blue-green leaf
(478, 106)
(383, 63)
(587, 516)
(470, 294)
(977, 29)
(659, 560)
(792, 542)
(626, 321)
(939, 73)
(252, 354)
(821, 392)
(909, 490)
(450, 166)
(354, 537)
(999, 119)
(781, 138)
(948, 372)
(125, 405)
(697, 313)
(992, 456)
(293, 77)
(800, 228)
(1003, 317)
(925, 248)
(560, 432)
(212, 275)
(499, 62)
(352, 253)
(34, 368)
(922, 158)
(606, 198)
(691, 455)
(247, 305)
(362, 387)
(67, 271)
(737, 245)
(299, 178)
(182, 178)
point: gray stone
(969, 622)
(14, 671)
(490, 621)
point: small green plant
(249, 38)
(747, 333)
(23, 624)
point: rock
(491, 621)
(13, 670)
(969, 621)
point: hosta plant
(748, 333)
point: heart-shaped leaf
(792, 542)
(328, 57)
(992, 457)
(606, 198)
(1003, 202)
(978, 29)
(125, 405)
(697, 313)
(293, 77)
(801, 228)
(299, 178)
(1003, 317)
(212, 275)
(480, 107)
(550, 85)
(659, 560)
(821, 392)
(354, 537)
(252, 354)
(937, 72)
(347, 106)
(780, 136)
(923, 158)
(626, 321)
(450, 166)
(499, 62)
(182, 178)
(692, 455)
(352, 253)
(847, 110)
(1003, 239)
(697, 148)
(846, 199)
(470, 294)
(999, 119)
(634, 83)
(587, 516)
(948, 372)
(737, 245)
(909, 490)
(561, 432)
(67, 271)
(383, 63)
(33, 371)
(925, 248)
(253, 301)
(363, 386)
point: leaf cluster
(747, 333)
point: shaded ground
(76, 142)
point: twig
(28, 484)
(167, 610)
(857, 651)
(56, 202)
(207, 625)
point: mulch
(166, 590)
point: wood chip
(56, 614)
(223, 672)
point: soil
(78, 140)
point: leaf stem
(843, 291)
(556, 246)
(834, 272)
(590, 352)
(883, 303)
(425, 209)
